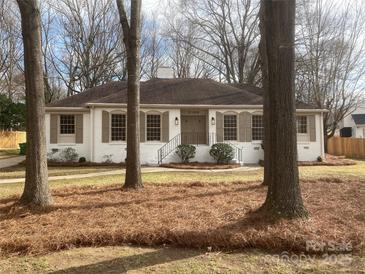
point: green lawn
(171, 260)
(19, 171)
(7, 153)
(345, 172)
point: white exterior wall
(94, 150)
(253, 152)
(310, 151)
(358, 131)
(348, 121)
(165, 73)
(118, 149)
(82, 149)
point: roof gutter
(313, 110)
(163, 106)
(73, 109)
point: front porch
(199, 129)
(195, 127)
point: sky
(147, 5)
(158, 6)
(153, 5)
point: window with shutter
(67, 124)
(230, 127)
(302, 125)
(153, 127)
(118, 127)
(257, 128)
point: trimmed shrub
(222, 153)
(68, 154)
(52, 157)
(82, 160)
(108, 159)
(23, 148)
(186, 152)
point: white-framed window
(257, 128)
(302, 125)
(153, 127)
(118, 127)
(230, 127)
(67, 124)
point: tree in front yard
(12, 115)
(330, 58)
(36, 190)
(277, 49)
(132, 41)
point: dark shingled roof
(255, 90)
(81, 99)
(359, 119)
(187, 92)
(172, 91)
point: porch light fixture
(213, 121)
(176, 121)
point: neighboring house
(173, 111)
(353, 125)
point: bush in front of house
(108, 159)
(68, 154)
(186, 152)
(23, 148)
(82, 160)
(52, 156)
(222, 153)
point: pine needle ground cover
(219, 216)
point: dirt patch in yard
(84, 164)
(221, 216)
(329, 161)
(77, 164)
(202, 166)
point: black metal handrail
(169, 147)
(238, 152)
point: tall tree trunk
(325, 139)
(266, 118)
(131, 39)
(36, 190)
(284, 196)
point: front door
(194, 129)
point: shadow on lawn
(214, 193)
(85, 191)
(12, 212)
(133, 262)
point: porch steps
(171, 146)
(168, 148)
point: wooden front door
(194, 129)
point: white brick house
(173, 111)
(353, 125)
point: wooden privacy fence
(349, 147)
(11, 139)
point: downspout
(323, 155)
(92, 126)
